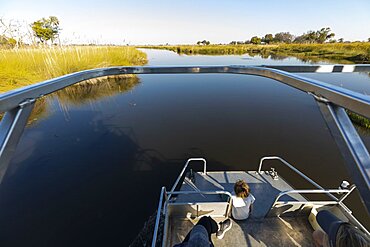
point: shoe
(224, 227)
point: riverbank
(358, 52)
(26, 66)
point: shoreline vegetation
(356, 52)
(25, 66)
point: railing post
(159, 215)
(353, 150)
(11, 129)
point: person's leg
(210, 225)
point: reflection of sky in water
(164, 57)
(359, 82)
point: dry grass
(26, 66)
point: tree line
(14, 34)
(320, 36)
(311, 37)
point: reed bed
(22, 67)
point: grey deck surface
(273, 231)
(263, 187)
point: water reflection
(84, 92)
(278, 57)
(95, 89)
(39, 112)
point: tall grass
(29, 65)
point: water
(89, 167)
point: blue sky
(187, 21)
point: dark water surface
(89, 168)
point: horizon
(154, 23)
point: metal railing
(162, 196)
(320, 190)
(286, 163)
(335, 201)
(182, 173)
(331, 99)
(308, 191)
(338, 201)
(166, 195)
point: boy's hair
(241, 189)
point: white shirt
(241, 207)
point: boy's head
(241, 189)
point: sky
(142, 22)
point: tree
(323, 35)
(46, 29)
(319, 36)
(204, 42)
(311, 37)
(340, 40)
(269, 38)
(283, 37)
(368, 40)
(255, 40)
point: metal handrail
(158, 217)
(323, 191)
(295, 170)
(184, 169)
(353, 101)
(331, 98)
(338, 202)
(205, 192)
(166, 195)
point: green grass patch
(359, 120)
(22, 67)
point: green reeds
(22, 67)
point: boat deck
(263, 187)
(257, 230)
(272, 231)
